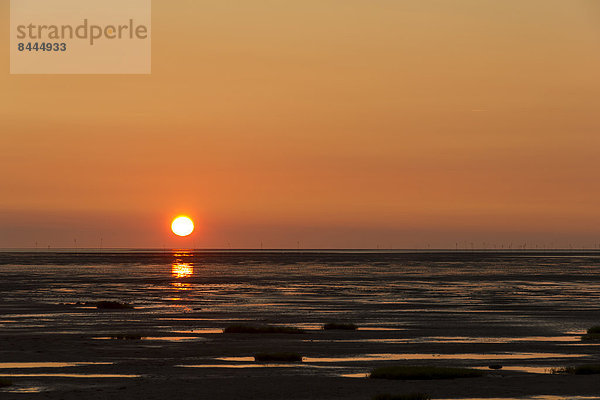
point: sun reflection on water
(182, 270)
(181, 286)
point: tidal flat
(522, 311)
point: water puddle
(20, 365)
(429, 356)
(174, 338)
(359, 375)
(152, 338)
(570, 340)
(201, 330)
(307, 327)
(465, 339)
(319, 327)
(255, 365)
(531, 370)
(30, 389)
(420, 356)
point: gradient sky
(346, 123)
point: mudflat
(525, 313)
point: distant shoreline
(303, 251)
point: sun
(182, 226)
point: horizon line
(282, 249)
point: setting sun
(182, 226)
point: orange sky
(333, 123)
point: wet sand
(181, 333)
(158, 365)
